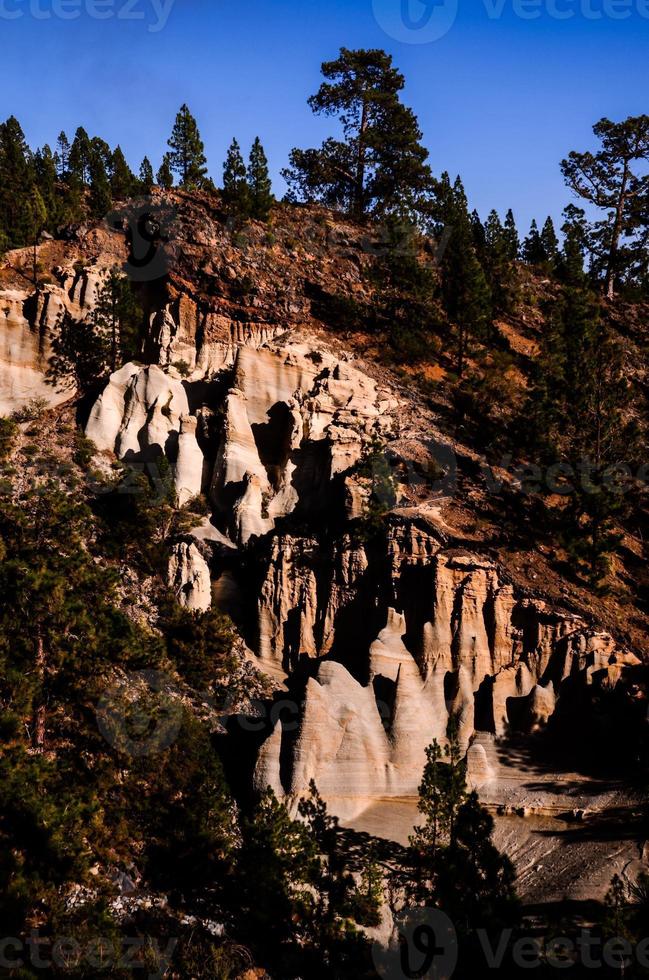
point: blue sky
(502, 95)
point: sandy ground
(566, 833)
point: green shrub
(8, 431)
(199, 644)
(31, 411)
(183, 368)
(84, 450)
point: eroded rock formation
(189, 577)
(373, 633)
(468, 645)
(30, 322)
(291, 419)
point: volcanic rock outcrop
(467, 646)
(189, 577)
(386, 637)
(30, 322)
(288, 419)
(379, 600)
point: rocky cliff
(375, 626)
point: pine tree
(63, 155)
(100, 198)
(80, 159)
(80, 356)
(46, 179)
(475, 883)
(36, 218)
(165, 177)
(441, 794)
(432, 803)
(236, 192)
(453, 861)
(339, 896)
(15, 184)
(498, 264)
(578, 406)
(407, 306)
(56, 630)
(561, 370)
(550, 241)
(146, 177)
(576, 242)
(190, 829)
(614, 179)
(116, 319)
(122, 180)
(277, 866)
(479, 236)
(100, 150)
(533, 251)
(465, 291)
(380, 164)
(603, 438)
(261, 195)
(87, 352)
(511, 237)
(187, 157)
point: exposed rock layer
(467, 646)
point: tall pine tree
(259, 183)
(80, 160)
(498, 264)
(511, 237)
(165, 177)
(146, 177)
(550, 242)
(36, 216)
(122, 179)
(100, 199)
(379, 165)
(236, 192)
(187, 152)
(533, 251)
(46, 179)
(15, 184)
(63, 155)
(465, 291)
(614, 179)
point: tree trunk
(39, 714)
(359, 188)
(617, 234)
(460, 350)
(113, 346)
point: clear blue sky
(501, 99)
